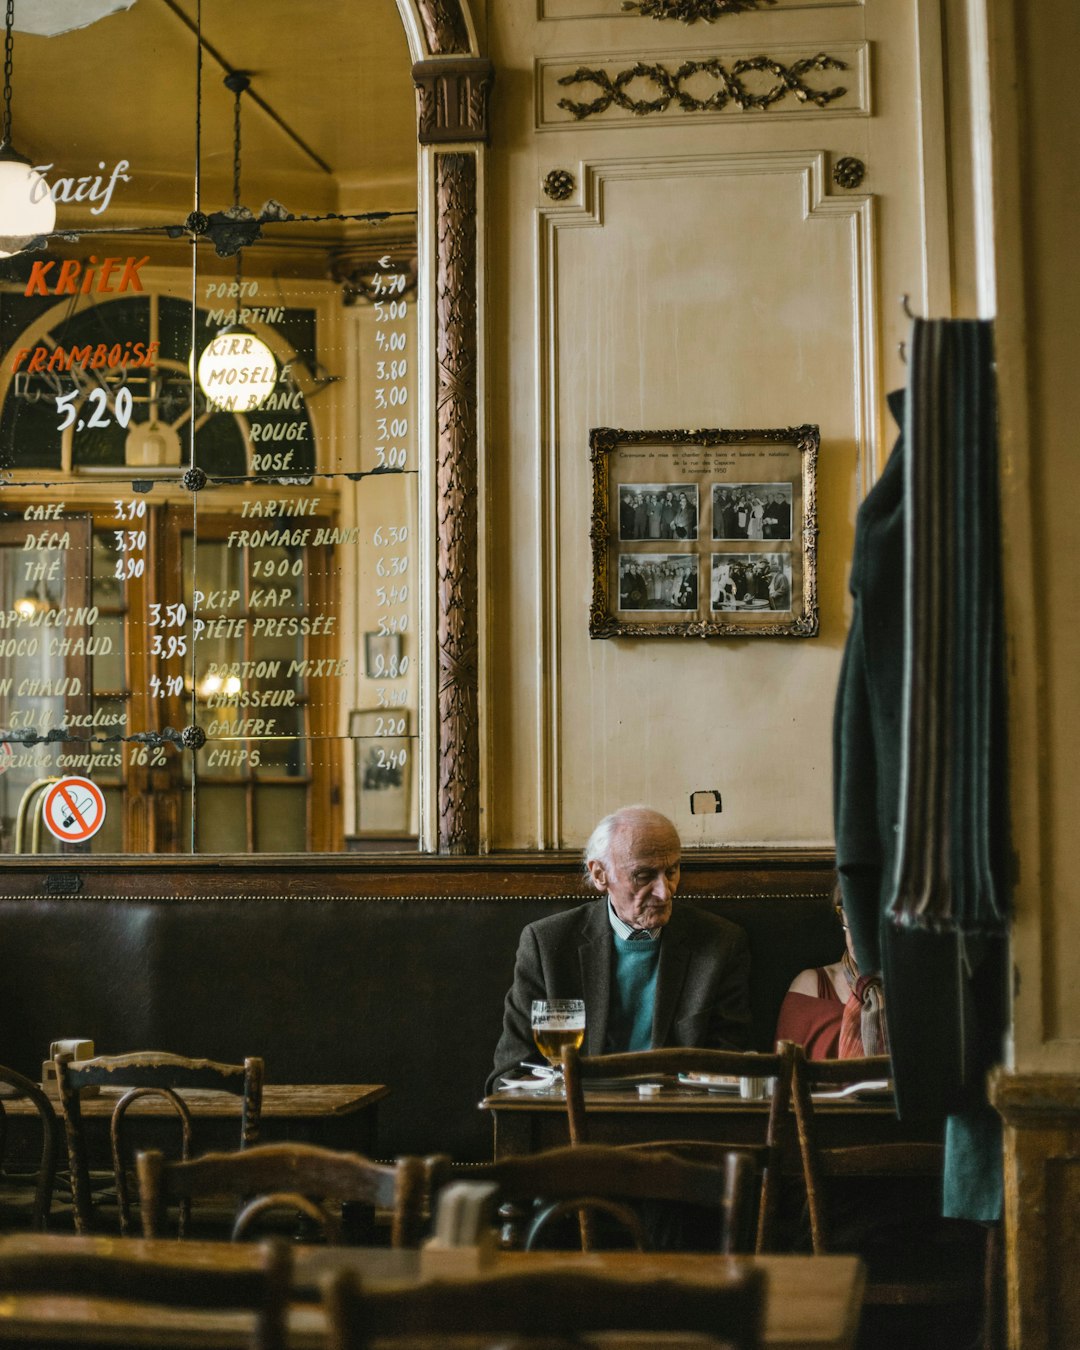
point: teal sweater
(633, 994)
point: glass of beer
(557, 1023)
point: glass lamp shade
(26, 205)
(33, 602)
(236, 371)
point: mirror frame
(452, 81)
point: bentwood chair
(766, 1150)
(913, 1259)
(296, 1177)
(558, 1306)
(23, 1198)
(145, 1074)
(594, 1177)
(196, 1286)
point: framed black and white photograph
(658, 511)
(709, 533)
(750, 582)
(751, 510)
(659, 582)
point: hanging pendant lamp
(27, 209)
(237, 370)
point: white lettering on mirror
(88, 189)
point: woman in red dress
(833, 1011)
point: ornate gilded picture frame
(704, 533)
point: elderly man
(651, 974)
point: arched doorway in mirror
(95, 469)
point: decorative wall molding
(452, 99)
(730, 86)
(855, 209)
(690, 11)
(848, 172)
(456, 491)
(559, 185)
(786, 83)
(553, 11)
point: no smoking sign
(74, 810)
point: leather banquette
(341, 970)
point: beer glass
(557, 1023)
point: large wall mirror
(208, 451)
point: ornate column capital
(452, 99)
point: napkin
(539, 1075)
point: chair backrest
(50, 1143)
(821, 1160)
(293, 1176)
(767, 1151)
(596, 1176)
(547, 1303)
(260, 1286)
(147, 1073)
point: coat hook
(901, 347)
(905, 301)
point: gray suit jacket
(702, 988)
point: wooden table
(526, 1121)
(335, 1115)
(812, 1302)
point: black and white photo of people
(751, 510)
(658, 511)
(751, 581)
(658, 581)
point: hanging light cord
(236, 151)
(238, 82)
(9, 23)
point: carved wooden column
(456, 405)
(452, 107)
(1042, 1202)
(444, 26)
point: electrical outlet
(705, 803)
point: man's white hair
(598, 844)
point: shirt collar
(624, 931)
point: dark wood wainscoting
(557, 874)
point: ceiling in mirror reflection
(330, 123)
